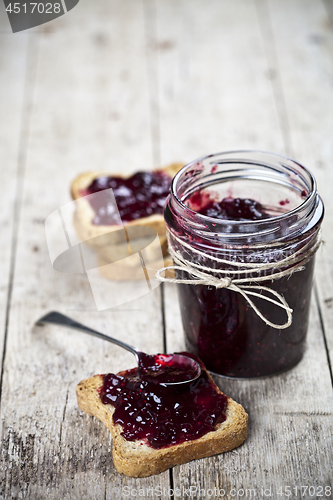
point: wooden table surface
(135, 84)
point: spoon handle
(57, 318)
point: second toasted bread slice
(97, 235)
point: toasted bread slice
(136, 459)
(97, 236)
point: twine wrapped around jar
(203, 275)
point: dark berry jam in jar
(243, 231)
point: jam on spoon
(166, 369)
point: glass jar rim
(308, 202)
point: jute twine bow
(202, 275)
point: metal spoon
(166, 369)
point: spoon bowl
(166, 369)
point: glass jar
(235, 328)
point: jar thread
(202, 274)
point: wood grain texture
(13, 67)
(90, 109)
(305, 69)
(290, 437)
(290, 432)
(214, 81)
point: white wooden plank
(304, 45)
(90, 111)
(214, 81)
(99, 78)
(13, 57)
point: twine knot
(202, 275)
